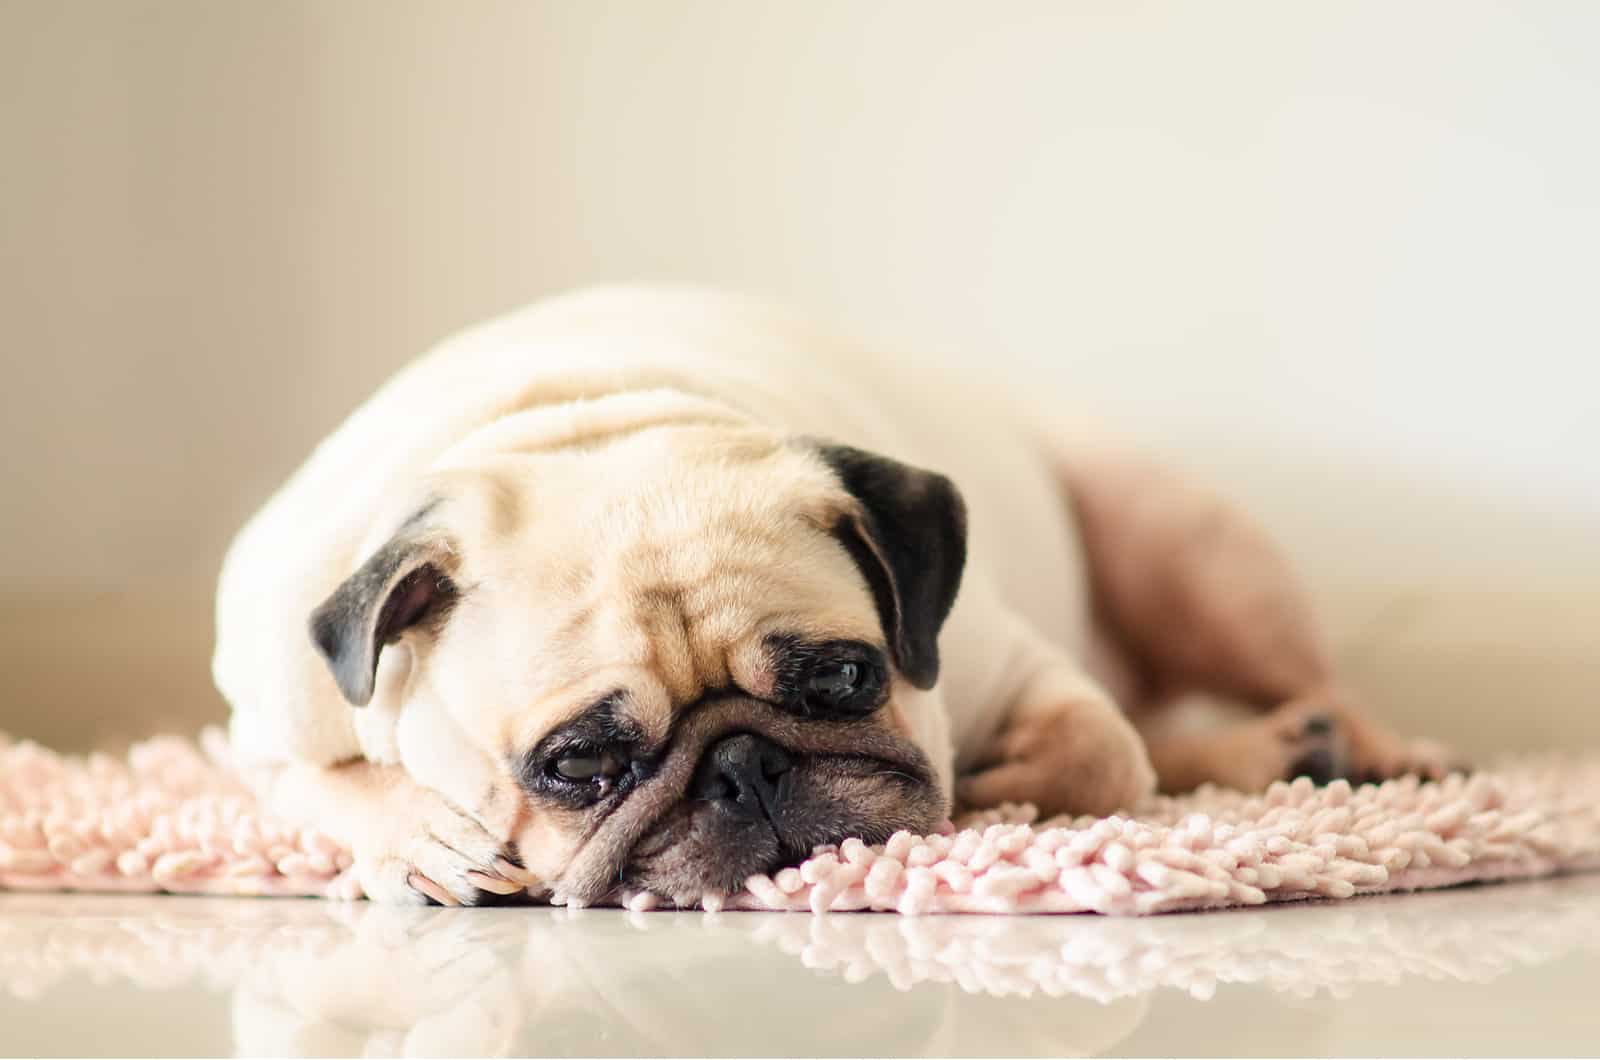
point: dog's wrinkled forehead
(660, 563)
(661, 567)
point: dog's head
(699, 650)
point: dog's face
(699, 651)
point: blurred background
(1342, 260)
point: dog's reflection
(384, 981)
(314, 978)
(393, 981)
(390, 981)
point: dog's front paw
(1075, 758)
(425, 850)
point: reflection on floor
(195, 975)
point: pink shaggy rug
(173, 817)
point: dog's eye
(831, 685)
(586, 768)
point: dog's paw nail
(515, 872)
(494, 884)
(426, 887)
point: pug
(653, 590)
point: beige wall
(1343, 257)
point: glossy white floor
(1508, 969)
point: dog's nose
(743, 773)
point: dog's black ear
(402, 584)
(910, 541)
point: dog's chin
(707, 848)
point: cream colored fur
(545, 431)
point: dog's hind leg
(1201, 601)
